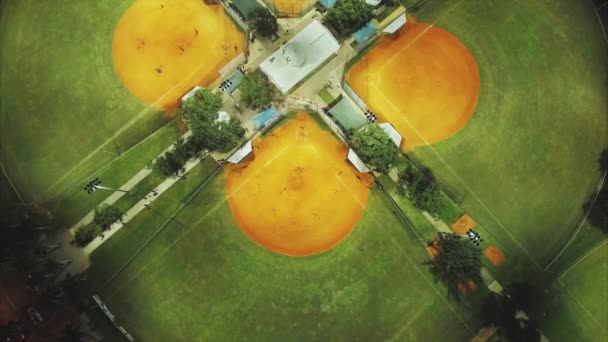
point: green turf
(366, 288)
(587, 281)
(130, 238)
(61, 98)
(528, 156)
(325, 96)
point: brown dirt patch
(161, 49)
(494, 254)
(463, 224)
(298, 195)
(424, 81)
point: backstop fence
(290, 9)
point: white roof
(373, 2)
(357, 162)
(301, 55)
(191, 93)
(222, 117)
(241, 153)
(396, 24)
(392, 132)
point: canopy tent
(396, 24)
(392, 133)
(300, 56)
(265, 117)
(357, 162)
(347, 115)
(190, 93)
(365, 32)
(241, 153)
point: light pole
(225, 88)
(474, 237)
(94, 185)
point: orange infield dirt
(424, 81)
(463, 224)
(297, 195)
(495, 256)
(162, 49)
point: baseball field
(524, 161)
(203, 277)
(78, 95)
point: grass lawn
(61, 98)
(526, 162)
(325, 96)
(580, 298)
(202, 278)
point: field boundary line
(598, 246)
(408, 257)
(500, 224)
(581, 223)
(8, 178)
(599, 19)
(190, 228)
(583, 307)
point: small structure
(222, 117)
(347, 115)
(328, 3)
(190, 93)
(365, 33)
(265, 118)
(357, 162)
(241, 153)
(246, 7)
(307, 50)
(373, 2)
(392, 133)
(395, 25)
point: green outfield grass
(580, 299)
(203, 278)
(61, 99)
(526, 162)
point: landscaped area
(303, 170)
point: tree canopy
(458, 261)
(375, 147)
(500, 310)
(348, 16)
(263, 22)
(422, 189)
(201, 113)
(106, 215)
(256, 90)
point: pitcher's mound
(424, 81)
(298, 195)
(162, 49)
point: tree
(256, 90)
(458, 261)
(106, 215)
(598, 206)
(422, 189)
(201, 113)
(348, 16)
(375, 147)
(263, 22)
(505, 311)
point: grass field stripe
(407, 256)
(124, 127)
(191, 227)
(581, 223)
(460, 179)
(600, 245)
(123, 154)
(583, 307)
(599, 19)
